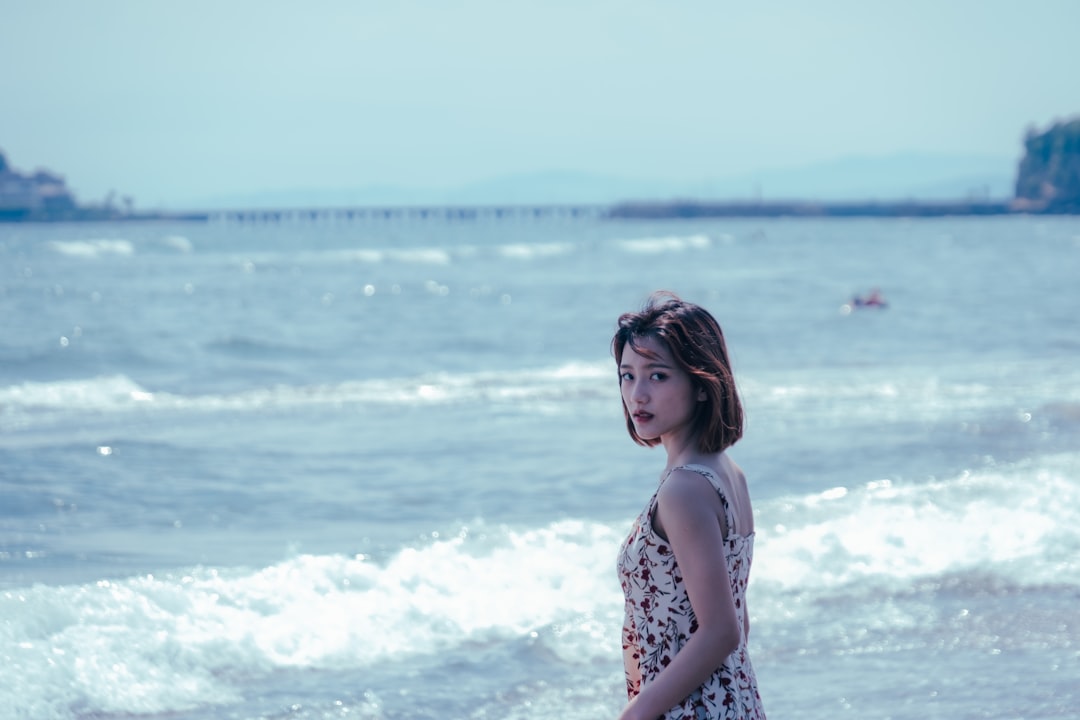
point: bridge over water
(445, 213)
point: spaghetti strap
(714, 480)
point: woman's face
(659, 396)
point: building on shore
(38, 194)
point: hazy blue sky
(174, 101)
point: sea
(377, 468)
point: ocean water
(378, 469)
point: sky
(172, 103)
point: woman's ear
(702, 396)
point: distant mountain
(380, 195)
(554, 187)
(907, 176)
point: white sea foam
(93, 248)
(875, 398)
(870, 398)
(883, 394)
(523, 251)
(668, 243)
(430, 256)
(532, 251)
(171, 643)
(118, 393)
(1021, 520)
(449, 254)
(101, 393)
(175, 641)
(362, 255)
(417, 255)
(177, 242)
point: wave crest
(93, 248)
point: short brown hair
(697, 345)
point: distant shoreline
(678, 209)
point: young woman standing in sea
(685, 565)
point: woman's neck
(682, 451)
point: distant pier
(443, 213)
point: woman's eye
(658, 376)
(626, 376)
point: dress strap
(707, 472)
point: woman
(685, 565)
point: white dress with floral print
(659, 619)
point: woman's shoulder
(708, 484)
(693, 483)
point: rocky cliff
(1049, 174)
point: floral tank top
(659, 619)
